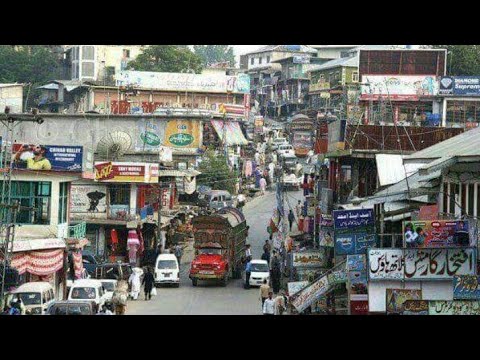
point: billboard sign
(466, 287)
(310, 259)
(396, 299)
(88, 199)
(295, 287)
(48, 157)
(421, 264)
(184, 82)
(350, 219)
(437, 234)
(460, 85)
(415, 307)
(359, 307)
(114, 172)
(309, 295)
(356, 263)
(399, 88)
(358, 242)
(454, 308)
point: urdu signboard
(399, 88)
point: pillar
(444, 113)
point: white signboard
(184, 82)
(385, 264)
(398, 87)
(308, 296)
(88, 199)
(421, 264)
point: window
(88, 69)
(268, 59)
(252, 61)
(260, 59)
(471, 199)
(63, 203)
(88, 53)
(120, 195)
(34, 195)
(126, 53)
(355, 77)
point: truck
(220, 243)
(302, 133)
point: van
(36, 296)
(216, 200)
(167, 270)
(88, 290)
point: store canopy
(233, 132)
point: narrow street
(209, 298)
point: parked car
(116, 271)
(62, 308)
(108, 288)
(277, 142)
(291, 182)
(88, 291)
(260, 272)
(90, 262)
(216, 200)
(167, 270)
(36, 296)
(285, 150)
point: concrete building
(11, 95)
(331, 52)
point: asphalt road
(208, 298)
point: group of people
(15, 307)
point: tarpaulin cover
(40, 263)
(233, 132)
(78, 265)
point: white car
(286, 151)
(167, 270)
(260, 272)
(88, 290)
(291, 181)
(277, 142)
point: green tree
(28, 64)
(462, 59)
(216, 173)
(167, 58)
(211, 54)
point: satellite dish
(114, 145)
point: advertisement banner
(465, 287)
(295, 287)
(311, 259)
(359, 307)
(357, 263)
(396, 299)
(48, 157)
(358, 286)
(311, 294)
(338, 275)
(428, 212)
(437, 234)
(112, 172)
(88, 199)
(454, 308)
(183, 134)
(165, 154)
(415, 307)
(150, 135)
(352, 243)
(400, 88)
(184, 82)
(350, 219)
(460, 85)
(425, 264)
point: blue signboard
(353, 243)
(357, 263)
(48, 157)
(460, 85)
(466, 287)
(351, 219)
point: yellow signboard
(183, 134)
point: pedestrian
(266, 256)
(280, 305)
(135, 283)
(298, 209)
(105, 311)
(20, 306)
(263, 185)
(264, 291)
(248, 272)
(275, 274)
(248, 252)
(179, 254)
(241, 200)
(291, 219)
(269, 305)
(267, 247)
(120, 298)
(148, 282)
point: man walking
(148, 282)
(266, 255)
(280, 306)
(264, 291)
(291, 219)
(248, 272)
(267, 247)
(269, 305)
(298, 209)
(179, 254)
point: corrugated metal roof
(466, 144)
(350, 61)
(284, 48)
(391, 170)
(10, 85)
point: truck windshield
(167, 264)
(210, 251)
(83, 293)
(30, 298)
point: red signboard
(358, 307)
(428, 213)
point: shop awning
(37, 244)
(233, 132)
